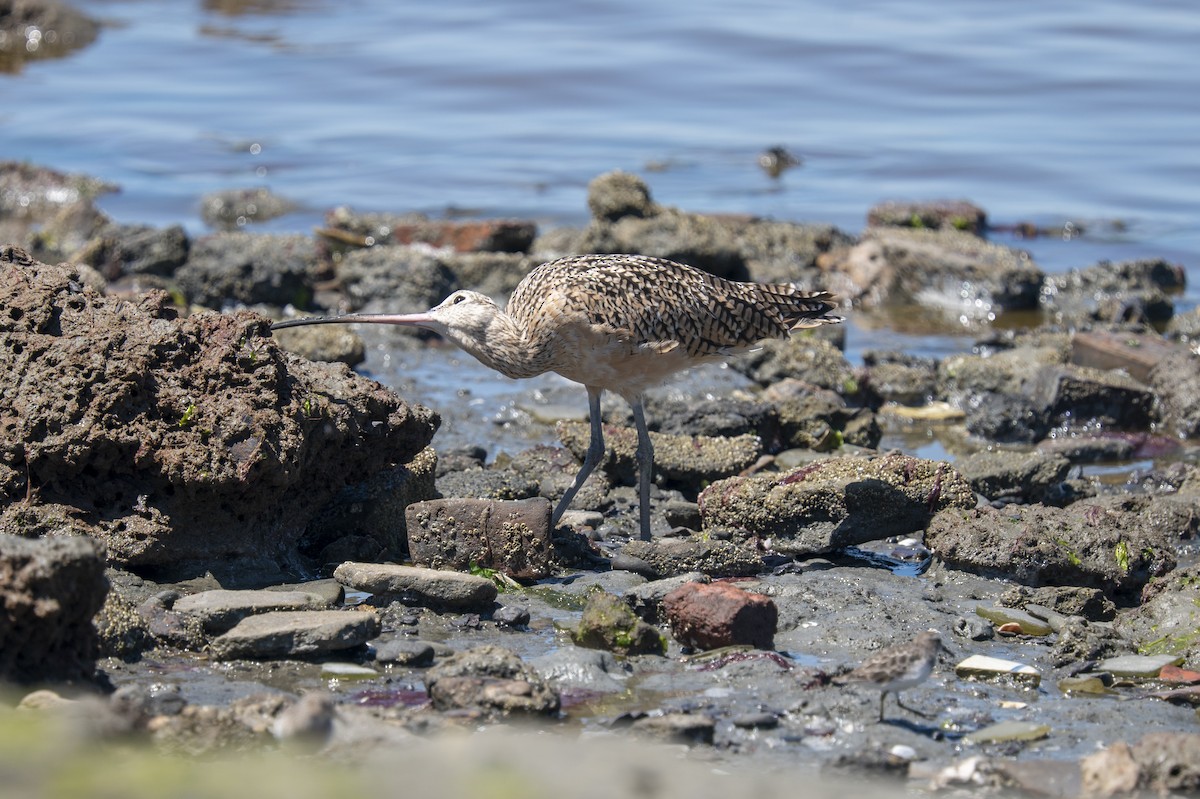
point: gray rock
(493, 484)
(1089, 603)
(404, 651)
(1176, 380)
(668, 557)
(836, 502)
(1038, 545)
(441, 589)
(804, 356)
(490, 679)
(233, 208)
(957, 273)
(646, 599)
(511, 616)
(219, 610)
(239, 267)
(1124, 291)
(301, 633)
(118, 250)
(1168, 621)
(408, 277)
(51, 589)
(929, 215)
(1005, 474)
(579, 669)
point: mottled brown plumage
(618, 322)
(898, 667)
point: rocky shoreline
(216, 540)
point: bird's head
(464, 317)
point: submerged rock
(489, 679)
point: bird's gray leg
(910, 709)
(595, 452)
(645, 464)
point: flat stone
(1029, 624)
(328, 589)
(299, 633)
(437, 588)
(1008, 731)
(683, 728)
(983, 667)
(404, 652)
(509, 536)
(347, 671)
(221, 609)
(1138, 665)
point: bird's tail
(801, 309)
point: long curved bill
(412, 319)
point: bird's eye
(457, 299)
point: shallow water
(1073, 113)
(1065, 112)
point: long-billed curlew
(617, 322)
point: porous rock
(184, 444)
(512, 537)
(1039, 545)
(49, 591)
(836, 502)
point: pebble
(511, 616)
(1026, 623)
(763, 721)
(1085, 684)
(1008, 731)
(1138, 665)
(347, 671)
(403, 651)
(983, 667)
(974, 628)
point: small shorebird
(899, 667)
(618, 322)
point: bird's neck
(503, 346)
